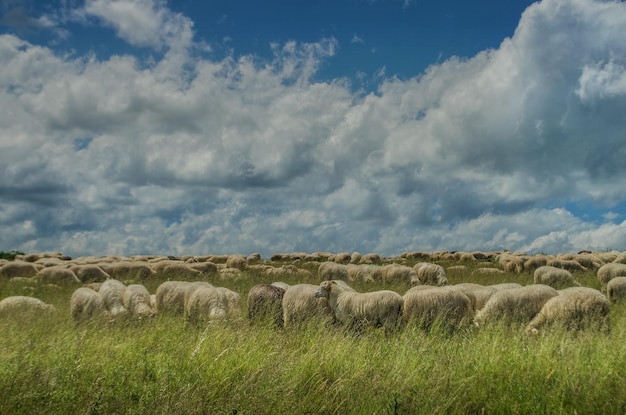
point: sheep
(446, 306)
(18, 269)
(370, 258)
(86, 304)
(568, 264)
(343, 257)
(364, 273)
(332, 271)
(266, 301)
(136, 299)
(232, 301)
(280, 284)
(24, 305)
(515, 304)
(237, 261)
(609, 271)
(357, 310)
(58, 275)
(112, 291)
(399, 273)
(574, 308)
(557, 278)
(429, 274)
(90, 273)
(300, 305)
(129, 270)
(616, 289)
(204, 268)
(175, 269)
(204, 304)
(170, 297)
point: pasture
(163, 365)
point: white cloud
(192, 155)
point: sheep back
(515, 304)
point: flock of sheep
(109, 287)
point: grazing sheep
(301, 305)
(332, 271)
(280, 284)
(237, 261)
(86, 304)
(574, 308)
(112, 291)
(205, 304)
(19, 304)
(399, 273)
(357, 310)
(136, 299)
(609, 271)
(266, 302)
(170, 297)
(232, 300)
(90, 273)
(342, 257)
(58, 275)
(557, 278)
(479, 294)
(175, 270)
(365, 273)
(447, 307)
(515, 304)
(18, 269)
(616, 289)
(568, 264)
(370, 259)
(430, 274)
(129, 270)
(204, 268)
(193, 286)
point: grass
(163, 366)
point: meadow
(161, 365)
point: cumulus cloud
(193, 155)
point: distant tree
(10, 255)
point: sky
(188, 127)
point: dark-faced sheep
(300, 305)
(357, 310)
(515, 304)
(430, 274)
(574, 308)
(446, 307)
(87, 304)
(557, 278)
(112, 292)
(265, 301)
(136, 299)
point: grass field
(161, 365)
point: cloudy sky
(194, 127)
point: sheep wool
(515, 304)
(357, 310)
(333, 271)
(300, 305)
(87, 304)
(112, 291)
(557, 278)
(575, 308)
(448, 307)
(136, 299)
(266, 302)
(430, 274)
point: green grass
(163, 366)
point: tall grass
(163, 366)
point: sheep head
(324, 289)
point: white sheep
(265, 301)
(357, 310)
(616, 289)
(399, 273)
(87, 304)
(515, 304)
(479, 294)
(430, 274)
(333, 271)
(205, 304)
(136, 299)
(557, 278)
(90, 273)
(112, 291)
(58, 275)
(24, 304)
(301, 305)
(232, 300)
(574, 308)
(364, 273)
(19, 269)
(237, 261)
(170, 297)
(129, 270)
(609, 271)
(447, 307)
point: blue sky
(191, 127)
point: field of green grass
(161, 365)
